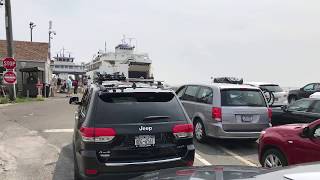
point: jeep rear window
(115, 108)
(242, 97)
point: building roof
(26, 51)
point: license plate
(276, 99)
(246, 118)
(144, 141)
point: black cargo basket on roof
(109, 77)
(228, 80)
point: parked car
(290, 144)
(302, 111)
(303, 92)
(127, 130)
(280, 96)
(308, 171)
(315, 95)
(225, 110)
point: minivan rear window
(117, 108)
(242, 97)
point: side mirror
(74, 100)
(284, 108)
(305, 132)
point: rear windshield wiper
(151, 118)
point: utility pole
(51, 32)
(8, 22)
(31, 25)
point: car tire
(292, 99)
(199, 131)
(273, 158)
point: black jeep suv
(123, 132)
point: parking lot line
(202, 160)
(57, 130)
(236, 156)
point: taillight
(97, 134)
(183, 131)
(216, 113)
(270, 113)
(91, 171)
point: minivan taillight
(97, 134)
(183, 131)
(270, 113)
(216, 113)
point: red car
(290, 144)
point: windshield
(242, 97)
(272, 88)
(123, 107)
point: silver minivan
(227, 111)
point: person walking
(53, 85)
(59, 83)
(69, 86)
(75, 86)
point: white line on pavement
(201, 159)
(236, 156)
(57, 130)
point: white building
(124, 60)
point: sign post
(10, 76)
(10, 50)
(39, 85)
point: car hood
(287, 130)
(300, 172)
(291, 126)
(203, 173)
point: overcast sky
(188, 40)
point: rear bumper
(126, 170)
(215, 130)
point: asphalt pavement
(35, 143)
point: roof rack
(109, 77)
(228, 80)
(117, 81)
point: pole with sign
(10, 76)
(39, 85)
(10, 53)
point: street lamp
(31, 25)
(51, 33)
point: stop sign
(9, 63)
(9, 77)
